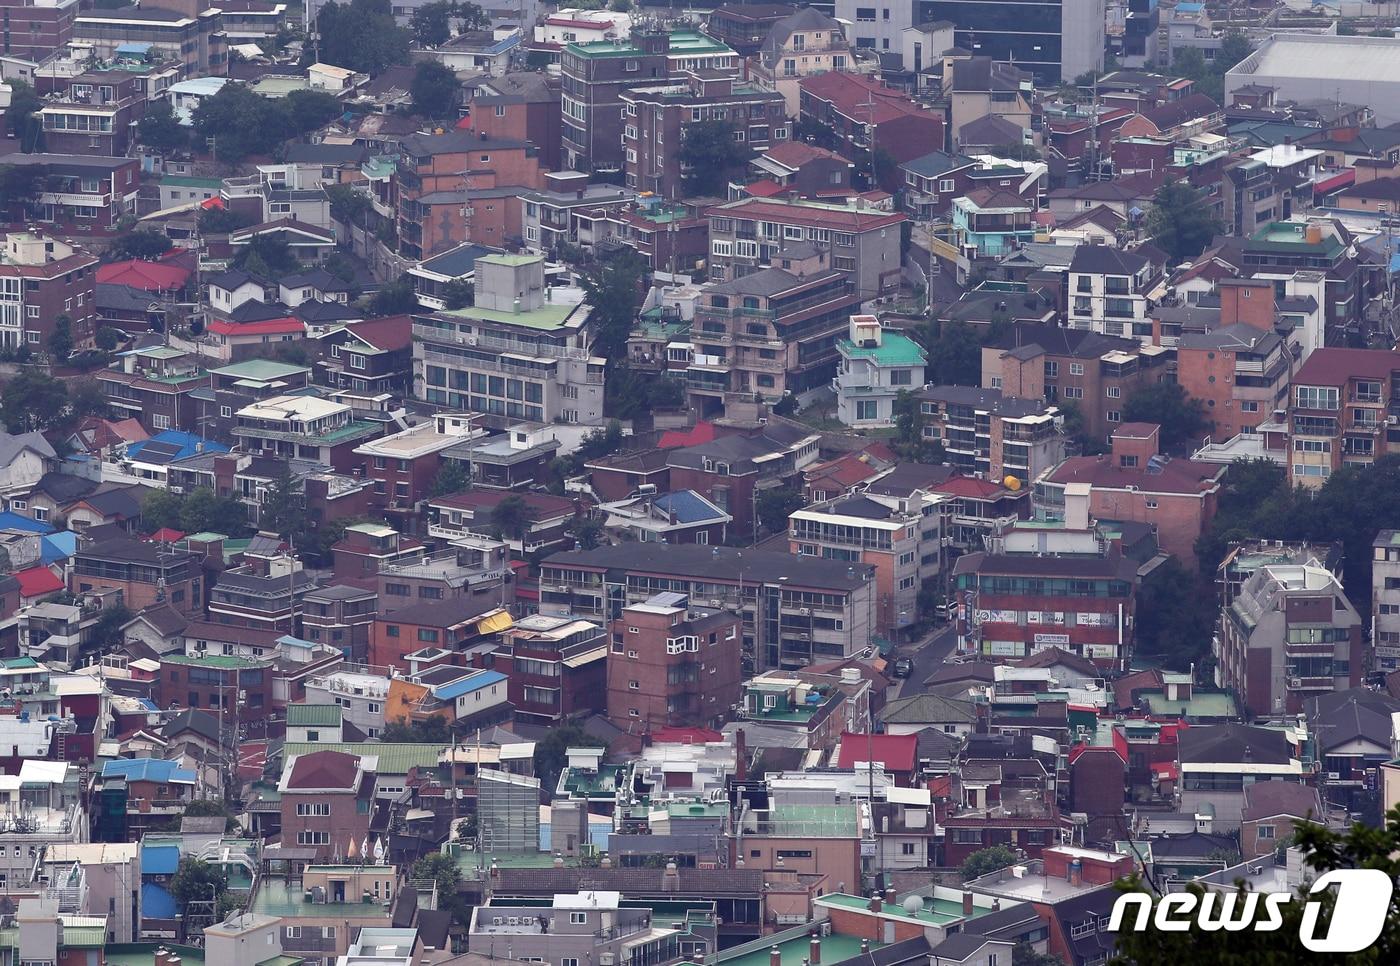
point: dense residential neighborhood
(749, 485)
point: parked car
(903, 667)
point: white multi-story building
(876, 365)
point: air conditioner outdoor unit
(1333, 776)
(1295, 682)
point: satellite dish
(913, 905)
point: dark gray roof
(633, 882)
(928, 709)
(459, 261)
(960, 946)
(121, 298)
(441, 613)
(1232, 338)
(63, 487)
(990, 400)
(766, 282)
(1232, 743)
(1191, 845)
(937, 162)
(860, 506)
(1270, 799)
(690, 560)
(233, 278)
(1106, 260)
(453, 142)
(338, 592)
(990, 129)
(317, 278)
(1344, 716)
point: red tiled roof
(36, 581)
(1333, 367)
(147, 276)
(861, 98)
(794, 154)
(765, 188)
(701, 432)
(287, 326)
(324, 769)
(895, 752)
(392, 332)
(849, 219)
(970, 486)
(1180, 476)
(166, 535)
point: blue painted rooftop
(161, 859)
(156, 902)
(14, 521)
(59, 546)
(174, 444)
(688, 506)
(148, 770)
(475, 682)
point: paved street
(929, 655)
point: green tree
(909, 441)
(268, 256)
(221, 221)
(1182, 417)
(775, 505)
(210, 807)
(458, 294)
(20, 121)
(1234, 47)
(432, 23)
(160, 509)
(1171, 626)
(1255, 501)
(712, 155)
(283, 511)
(551, 753)
(512, 517)
(986, 860)
(202, 510)
(1180, 222)
(161, 130)
(614, 288)
(109, 337)
(20, 185)
(348, 204)
(144, 243)
(197, 881)
(308, 110)
(362, 36)
(588, 533)
(32, 401)
(61, 339)
(1075, 430)
(442, 870)
(451, 478)
(600, 442)
(429, 731)
(620, 6)
(954, 354)
(434, 90)
(397, 298)
(472, 16)
(105, 635)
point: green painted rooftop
(550, 315)
(935, 911)
(395, 757)
(275, 897)
(809, 821)
(313, 715)
(1211, 704)
(261, 369)
(835, 948)
(222, 661)
(895, 349)
(682, 42)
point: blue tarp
(156, 903)
(159, 859)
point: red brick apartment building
(1341, 406)
(556, 667)
(33, 31)
(670, 665)
(42, 278)
(327, 803)
(520, 106)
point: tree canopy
(19, 116)
(776, 505)
(986, 860)
(954, 354)
(395, 298)
(614, 288)
(362, 36)
(33, 400)
(712, 155)
(1181, 417)
(161, 130)
(236, 122)
(434, 89)
(144, 243)
(199, 511)
(1180, 222)
(1171, 626)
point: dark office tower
(1053, 39)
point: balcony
(543, 350)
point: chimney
(875, 904)
(967, 903)
(775, 956)
(1076, 872)
(889, 896)
(865, 947)
(814, 950)
(741, 755)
